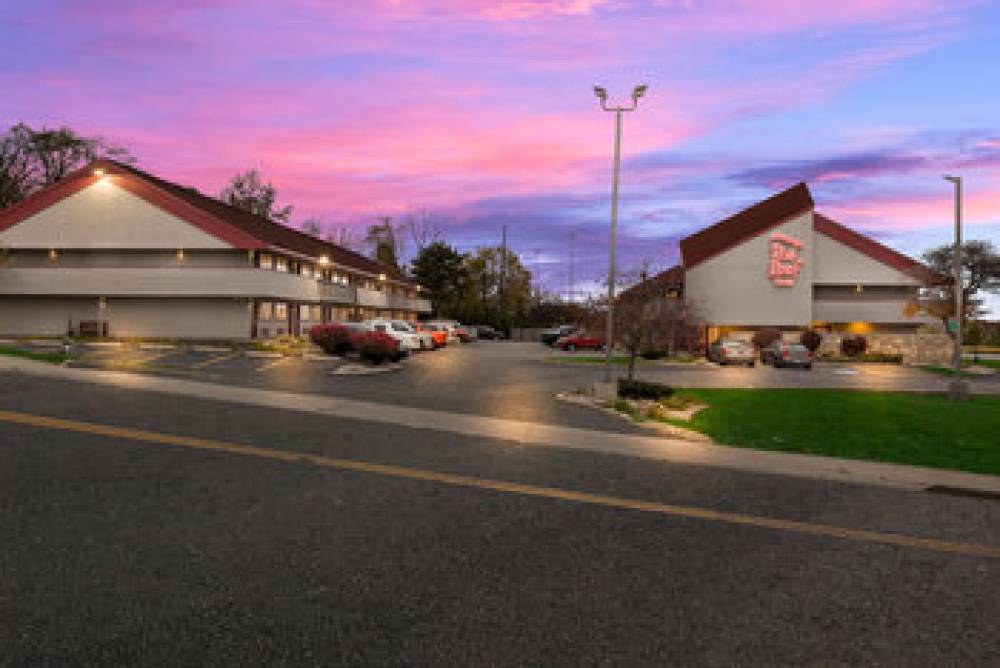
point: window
(316, 311)
(281, 264)
(265, 311)
(303, 311)
(266, 261)
(307, 271)
(281, 311)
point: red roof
(748, 223)
(233, 225)
(872, 248)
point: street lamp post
(602, 95)
(957, 386)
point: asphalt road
(121, 551)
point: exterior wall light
(53, 254)
(180, 254)
(382, 277)
(859, 288)
(99, 172)
(324, 259)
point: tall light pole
(602, 95)
(957, 261)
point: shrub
(853, 346)
(375, 347)
(637, 389)
(811, 339)
(333, 339)
(762, 338)
(654, 354)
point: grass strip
(905, 428)
(51, 357)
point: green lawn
(41, 356)
(993, 364)
(921, 429)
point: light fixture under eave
(324, 259)
(180, 254)
(99, 172)
(382, 277)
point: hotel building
(113, 251)
(781, 264)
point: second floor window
(281, 264)
(266, 261)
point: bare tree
(344, 237)
(312, 227)
(648, 317)
(424, 229)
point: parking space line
(518, 489)
(215, 360)
(153, 357)
(273, 363)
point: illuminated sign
(785, 262)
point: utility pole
(602, 95)
(571, 291)
(958, 388)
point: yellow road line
(824, 530)
(215, 360)
(273, 363)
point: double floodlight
(637, 92)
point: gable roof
(873, 249)
(237, 227)
(672, 278)
(748, 223)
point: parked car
(580, 342)
(464, 334)
(782, 354)
(550, 336)
(450, 327)
(437, 332)
(408, 341)
(731, 352)
(487, 332)
(426, 340)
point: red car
(580, 342)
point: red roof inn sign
(785, 262)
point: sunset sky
(482, 113)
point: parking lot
(503, 379)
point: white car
(426, 340)
(408, 341)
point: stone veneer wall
(927, 345)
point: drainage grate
(963, 491)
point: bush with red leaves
(375, 347)
(853, 346)
(811, 339)
(333, 339)
(762, 338)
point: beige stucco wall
(177, 281)
(835, 263)
(879, 312)
(103, 215)
(144, 318)
(733, 288)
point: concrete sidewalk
(665, 449)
